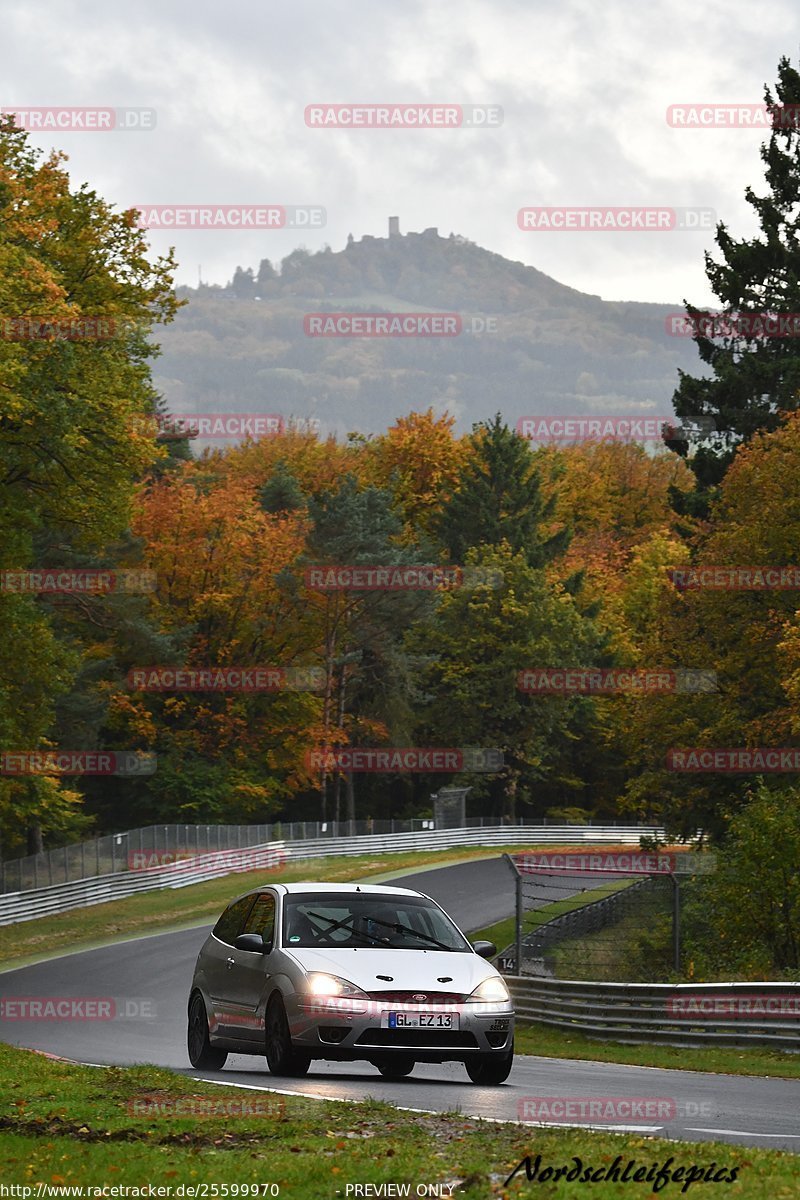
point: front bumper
(352, 1029)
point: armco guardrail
(729, 1014)
(38, 902)
(81, 893)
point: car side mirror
(485, 949)
(253, 942)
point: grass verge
(721, 1060)
(63, 1125)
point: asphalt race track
(149, 978)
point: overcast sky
(584, 88)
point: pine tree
(281, 493)
(753, 378)
(500, 499)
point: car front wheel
(282, 1058)
(201, 1053)
(490, 1069)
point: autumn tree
(78, 297)
(419, 459)
(219, 558)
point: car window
(229, 925)
(261, 918)
(367, 921)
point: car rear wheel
(201, 1053)
(490, 1069)
(282, 1058)
(396, 1067)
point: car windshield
(364, 921)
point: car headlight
(320, 984)
(491, 989)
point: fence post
(519, 923)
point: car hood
(409, 970)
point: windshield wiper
(407, 929)
(344, 924)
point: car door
(250, 972)
(219, 961)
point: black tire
(282, 1058)
(202, 1054)
(396, 1067)
(490, 1069)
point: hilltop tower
(394, 227)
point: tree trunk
(330, 650)
(510, 797)
(35, 841)
(340, 728)
(351, 798)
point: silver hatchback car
(302, 971)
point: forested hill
(540, 347)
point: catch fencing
(584, 942)
(28, 904)
(114, 852)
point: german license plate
(419, 1020)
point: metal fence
(585, 942)
(116, 852)
(119, 852)
(29, 904)
(721, 1014)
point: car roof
(352, 889)
(300, 889)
